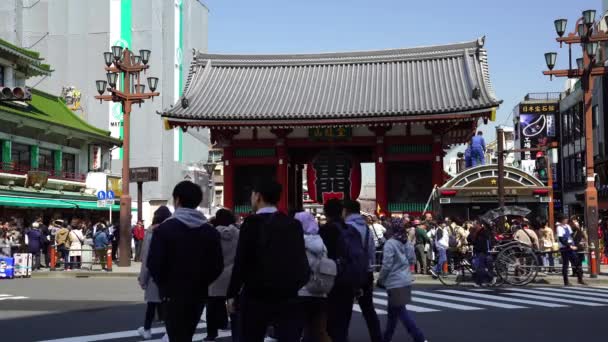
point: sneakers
(145, 334)
(493, 282)
(475, 285)
(434, 274)
(582, 282)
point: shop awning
(32, 202)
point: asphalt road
(110, 309)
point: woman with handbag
(548, 247)
(396, 278)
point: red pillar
(437, 162)
(283, 176)
(228, 178)
(381, 178)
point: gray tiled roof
(388, 83)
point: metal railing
(19, 169)
(543, 96)
(92, 259)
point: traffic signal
(15, 94)
(541, 168)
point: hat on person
(35, 225)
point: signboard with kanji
(143, 174)
(537, 126)
(330, 133)
(539, 108)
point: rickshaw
(514, 263)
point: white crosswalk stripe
(499, 298)
(11, 297)
(438, 303)
(552, 299)
(591, 289)
(468, 300)
(562, 295)
(575, 292)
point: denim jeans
(548, 260)
(401, 313)
(441, 259)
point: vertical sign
(94, 157)
(177, 72)
(120, 34)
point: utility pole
(588, 35)
(500, 142)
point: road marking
(357, 308)
(601, 295)
(504, 299)
(5, 295)
(560, 300)
(384, 302)
(447, 305)
(589, 289)
(10, 298)
(114, 335)
(481, 290)
(568, 296)
(468, 300)
(437, 303)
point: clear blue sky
(518, 32)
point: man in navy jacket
(185, 257)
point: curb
(90, 274)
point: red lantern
(333, 175)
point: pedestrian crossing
(424, 301)
(509, 298)
(11, 297)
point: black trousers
(257, 314)
(339, 312)
(183, 315)
(571, 257)
(366, 302)
(151, 309)
(217, 316)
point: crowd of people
(69, 238)
(279, 275)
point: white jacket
(444, 242)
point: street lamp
(131, 92)
(560, 26)
(587, 69)
(550, 58)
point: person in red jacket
(139, 232)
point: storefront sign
(539, 108)
(143, 174)
(330, 133)
(114, 184)
(94, 158)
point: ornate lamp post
(215, 156)
(129, 66)
(589, 36)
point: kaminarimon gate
(274, 115)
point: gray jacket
(395, 271)
(145, 279)
(229, 240)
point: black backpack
(286, 275)
(352, 259)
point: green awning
(32, 202)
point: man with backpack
(270, 268)
(184, 258)
(353, 218)
(101, 241)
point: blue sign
(101, 195)
(110, 195)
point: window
(1, 75)
(68, 163)
(20, 156)
(595, 116)
(45, 160)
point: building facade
(274, 115)
(46, 150)
(73, 34)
